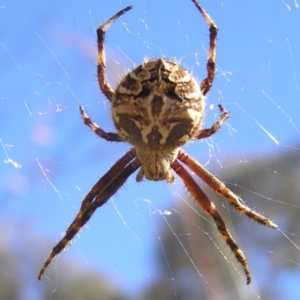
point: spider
(158, 107)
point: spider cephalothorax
(158, 107)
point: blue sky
(49, 160)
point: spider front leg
(101, 192)
(101, 69)
(105, 180)
(109, 136)
(207, 132)
(210, 209)
(219, 187)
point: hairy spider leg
(210, 209)
(104, 194)
(220, 188)
(207, 132)
(109, 136)
(211, 64)
(101, 70)
(105, 180)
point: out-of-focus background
(150, 241)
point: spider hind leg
(210, 209)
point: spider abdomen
(158, 105)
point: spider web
(151, 240)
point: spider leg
(213, 31)
(107, 178)
(220, 188)
(207, 132)
(95, 198)
(109, 136)
(210, 209)
(101, 69)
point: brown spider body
(158, 107)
